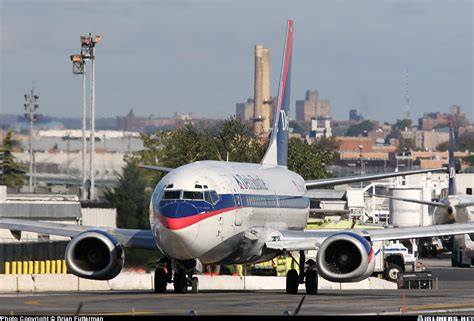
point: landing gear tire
(311, 282)
(434, 251)
(160, 281)
(454, 259)
(391, 272)
(292, 282)
(180, 283)
(424, 251)
(195, 285)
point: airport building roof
(37, 206)
(326, 194)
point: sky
(161, 57)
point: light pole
(361, 162)
(30, 114)
(88, 44)
(78, 68)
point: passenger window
(171, 195)
(188, 195)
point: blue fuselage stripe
(185, 208)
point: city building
(321, 127)
(244, 112)
(434, 120)
(312, 107)
(430, 139)
(140, 124)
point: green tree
(189, 144)
(360, 129)
(406, 144)
(131, 198)
(402, 124)
(310, 161)
(13, 173)
(465, 142)
(234, 138)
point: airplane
(455, 208)
(216, 212)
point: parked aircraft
(212, 212)
(455, 208)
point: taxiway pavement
(455, 295)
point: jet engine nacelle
(94, 255)
(345, 257)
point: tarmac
(454, 295)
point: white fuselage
(219, 212)
(457, 213)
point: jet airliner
(212, 212)
(455, 208)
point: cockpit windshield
(193, 195)
(209, 196)
(171, 195)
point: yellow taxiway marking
(441, 306)
(121, 313)
(33, 302)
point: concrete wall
(104, 217)
(144, 281)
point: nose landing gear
(180, 273)
(308, 275)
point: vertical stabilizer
(277, 152)
(451, 163)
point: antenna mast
(407, 97)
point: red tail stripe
(289, 44)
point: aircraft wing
(312, 239)
(411, 200)
(328, 182)
(142, 239)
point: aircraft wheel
(391, 272)
(454, 259)
(434, 251)
(292, 282)
(195, 285)
(424, 251)
(180, 282)
(160, 281)
(311, 282)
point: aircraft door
(238, 211)
(236, 199)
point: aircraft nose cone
(185, 210)
(179, 229)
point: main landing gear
(180, 273)
(307, 275)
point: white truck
(392, 257)
(462, 254)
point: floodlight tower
(78, 68)
(88, 44)
(30, 114)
